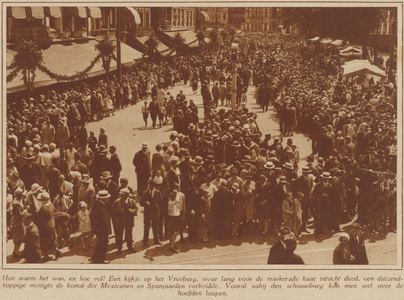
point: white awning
(314, 39)
(37, 12)
(94, 12)
(54, 11)
(18, 12)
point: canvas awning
(36, 12)
(79, 11)
(326, 41)
(53, 11)
(203, 16)
(18, 12)
(130, 15)
(94, 12)
(360, 66)
(350, 51)
(68, 60)
(337, 42)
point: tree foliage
(152, 43)
(106, 49)
(26, 60)
(179, 44)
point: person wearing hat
(142, 163)
(342, 254)
(32, 202)
(100, 223)
(86, 192)
(247, 191)
(322, 193)
(324, 144)
(78, 165)
(157, 161)
(46, 226)
(17, 226)
(30, 172)
(83, 216)
(124, 210)
(221, 205)
(174, 218)
(32, 246)
(282, 252)
(357, 245)
(151, 200)
(305, 184)
(114, 164)
(262, 203)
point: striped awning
(94, 12)
(130, 15)
(18, 12)
(53, 11)
(36, 12)
(203, 16)
(79, 11)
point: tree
(201, 39)
(26, 61)
(178, 44)
(106, 49)
(152, 43)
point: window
(187, 20)
(274, 9)
(224, 17)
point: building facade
(263, 19)
(218, 17)
(237, 17)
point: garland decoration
(78, 76)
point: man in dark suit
(151, 200)
(304, 184)
(281, 252)
(100, 219)
(143, 171)
(124, 211)
(32, 250)
(46, 226)
(114, 164)
(357, 245)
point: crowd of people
(215, 179)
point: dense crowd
(215, 179)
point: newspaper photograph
(200, 149)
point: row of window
(182, 17)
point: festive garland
(78, 76)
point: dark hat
(125, 179)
